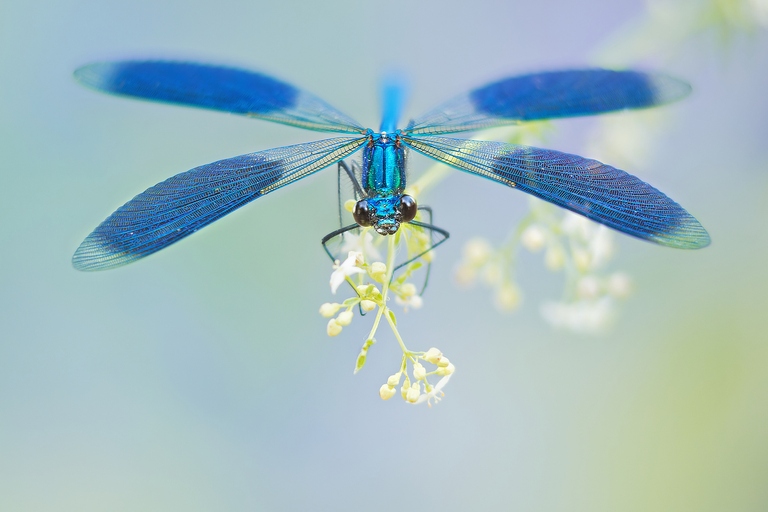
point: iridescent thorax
(383, 179)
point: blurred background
(202, 378)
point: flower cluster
(374, 283)
(571, 244)
(411, 390)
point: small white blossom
(492, 274)
(507, 297)
(533, 238)
(588, 287)
(435, 393)
(367, 305)
(477, 251)
(408, 289)
(582, 259)
(577, 226)
(619, 285)
(554, 258)
(465, 275)
(348, 267)
(414, 301)
(601, 246)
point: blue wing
(548, 96)
(187, 202)
(217, 88)
(597, 191)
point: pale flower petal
(347, 268)
(435, 393)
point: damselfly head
(385, 214)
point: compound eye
(408, 208)
(362, 213)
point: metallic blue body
(187, 202)
(383, 166)
(384, 179)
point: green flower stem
(391, 248)
(399, 339)
(375, 326)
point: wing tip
(92, 255)
(689, 235)
(97, 75)
(667, 89)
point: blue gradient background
(202, 378)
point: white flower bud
(394, 380)
(432, 355)
(443, 371)
(367, 305)
(329, 309)
(416, 302)
(408, 289)
(619, 285)
(601, 246)
(508, 297)
(378, 271)
(443, 362)
(577, 226)
(413, 392)
(582, 259)
(492, 274)
(554, 258)
(386, 392)
(333, 328)
(349, 205)
(419, 372)
(477, 251)
(533, 238)
(465, 275)
(588, 287)
(344, 318)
